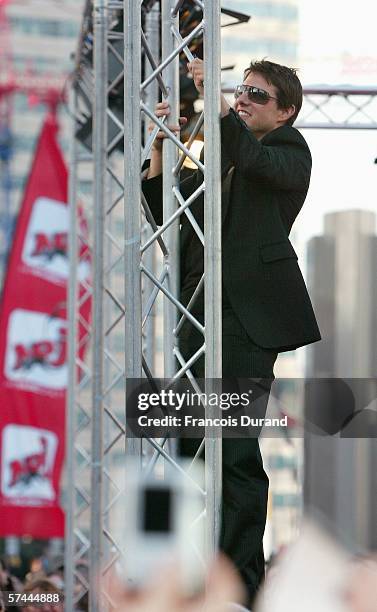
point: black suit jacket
(264, 185)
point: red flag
(33, 351)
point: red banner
(33, 351)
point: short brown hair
(286, 81)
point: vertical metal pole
(212, 255)
(132, 159)
(108, 347)
(170, 158)
(69, 553)
(100, 159)
(152, 33)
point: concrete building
(340, 470)
(43, 37)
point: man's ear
(286, 113)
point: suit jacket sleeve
(282, 157)
(152, 190)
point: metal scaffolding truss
(339, 107)
(134, 263)
(344, 107)
(165, 280)
(79, 413)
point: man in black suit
(266, 167)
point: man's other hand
(163, 110)
(163, 594)
(196, 67)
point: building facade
(340, 467)
(43, 39)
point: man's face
(261, 119)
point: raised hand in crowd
(163, 594)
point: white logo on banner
(36, 349)
(28, 456)
(46, 241)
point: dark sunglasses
(254, 94)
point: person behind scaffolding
(266, 166)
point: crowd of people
(41, 589)
(356, 591)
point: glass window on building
(40, 65)
(44, 27)
(280, 462)
(86, 186)
(23, 143)
(285, 500)
(50, 28)
(279, 10)
(18, 182)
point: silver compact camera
(164, 525)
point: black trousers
(245, 483)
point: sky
(338, 41)
(338, 45)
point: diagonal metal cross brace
(152, 298)
(193, 135)
(171, 219)
(191, 303)
(189, 214)
(185, 42)
(173, 299)
(172, 137)
(153, 63)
